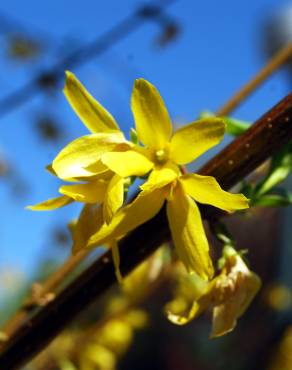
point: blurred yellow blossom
(229, 295)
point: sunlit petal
(152, 121)
(190, 141)
(160, 177)
(114, 197)
(92, 192)
(188, 233)
(89, 221)
(95, 117)
(129, 163)
(51, 204)
(142, 209)
(206, 190)
(73, 161)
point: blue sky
(218, 49)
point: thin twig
(49, 286)
(231, 165)
(278, 60)
(51, 78)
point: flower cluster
(101, 165)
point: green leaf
(235, 127)
(247, 189)
(281, 166)
(274, 200)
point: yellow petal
(96, 171)
(129, 163)
(152, 121)
(89, 221)
(226, 314)
(190, 141)
(51, 204)
(73, 161)
(190, 298)
(188, 233)
(92, 114)
(160, 177)
(239, 285)
(114, 198)
(178, 314)
(91, 192)
(142, 209)
(206, 190)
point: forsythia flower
(80, 159)
(229, 295)
(104, 160)
(166, 152)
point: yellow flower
(165, 152)
(90, 192)
(229, 295)
(104, 159)
(80, 159)
(162, 148)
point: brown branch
(231, 165)
(279, 59)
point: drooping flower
(228, 295)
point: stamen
(161, 155)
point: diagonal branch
(231, 165)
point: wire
(51, 78)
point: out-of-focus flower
(229, 295)
(48, 128)
(169, 33)
(282, 356)
(278, 297)
(22, 48)
(100, 345)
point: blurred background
(198, 54)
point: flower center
(161, 156)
